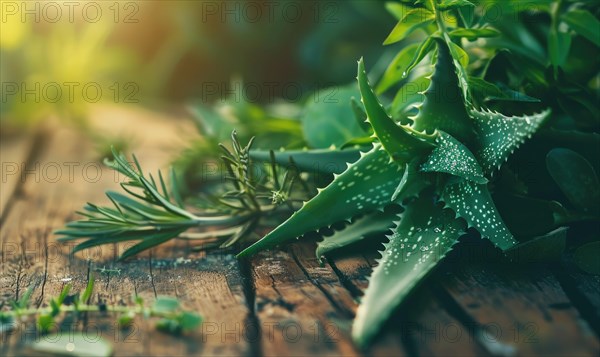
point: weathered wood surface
(282, 302)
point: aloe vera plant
(422, 170)
(437, 168)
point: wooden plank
(14, 154)
(211, 286)
(520, 310)
(583, 290)
(296, 316)
(341, 289)
(423, 325)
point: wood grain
(280, 302)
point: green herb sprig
(172, 317)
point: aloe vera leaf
(443, 107)
(366, 185)
(368, 225)
(499, 135)
(401, 143)
(328, 161)
(425, 234)
(452, 157)
(473, 202)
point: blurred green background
(59, 58)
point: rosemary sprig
(152, 213)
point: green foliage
(576, 178)
(173, 318)
(447, 151)
(586, 257)
(452, 157)
(424, 234)
(329, 119)
(369, 225)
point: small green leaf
(398, 10)
(169, 325)
(461, 57)
(45, 322)
(586, 258)
(396, 70)
(126, 320)
(559, 44)
(73, 344)
(24, 300)
(425, 47)
(485, 89)
(151, 241)
(548, 247)
(55, 307)
(328, 117)
(211, 123)
(413, 20)
(584, 23)
(473, 34)
(63, 294)
(576, 178)
(452, 157)
(165, 305)
(189, 321)
(357, 230)
(453, 4)
(89, 289)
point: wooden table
(278, 303)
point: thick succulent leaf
(412, 183)
(330, 161)
(443, 107)
(500, 135)
(452, 157)
(366, 185)
(373, 223)
(473, 202)
(424, 235)
(401, 143)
